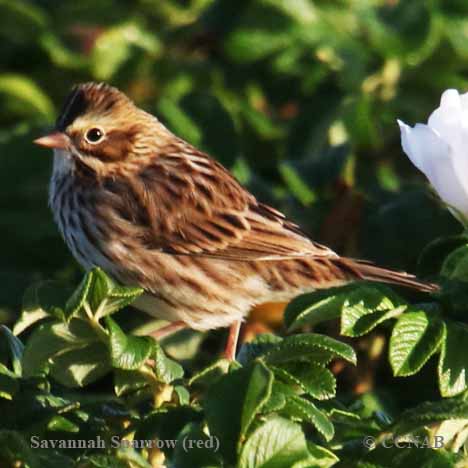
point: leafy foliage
(298, 98)
(276, 406)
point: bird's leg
(231, 345)
(167, 330)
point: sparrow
(153, 211)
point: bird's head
(100, 127)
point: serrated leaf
(99, 289)
(415, 338)
(453, 366)
(310, 346)
(313, 378)
(277, 443)
(230, 413)
(305, 410)
(210, 374)
(257, 394)
(101, 294)
(257, 347)
(430, 412)
(279, 394)
(79, 296)
(166, 369)
(364, 308)
(127, 352)
(313, 308)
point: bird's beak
(55, 140)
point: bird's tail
(367, 271)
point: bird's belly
(203, 293)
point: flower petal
(421, 144)
(450, 98)
(435, 158)
(447, 118)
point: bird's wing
(195, 207)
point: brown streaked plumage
(152, 210)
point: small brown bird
(151, 210)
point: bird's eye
(94, 135)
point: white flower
(440, 149)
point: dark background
(298, 98)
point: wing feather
(197, 208)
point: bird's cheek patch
(117, 146)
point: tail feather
(367, 271)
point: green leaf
(182, 394)
(455, 265)
(257, 347)
(313, 308)
(132, 458)
(230, 413)
(114, 47)
(9, 384)
(218, 134)
(127, 381)
(304, 410)
(127, 352)
(249, 45)
(23, 90)
(104, 461)
(313, 378)
(78, 367)
(41, 300)
(365, 308)
(181, 123)
(210, 374)
(310, 346)
(430, 412)
(279, 393)
(59, 423)
(100, 294)
(16, 349)
(277, 443)
(195, 449)
(166, 369)
(416, 336)
(72, 352)
(297, 186)
(453, 366)
(79, 296)
(434, 254)
(320, 456)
